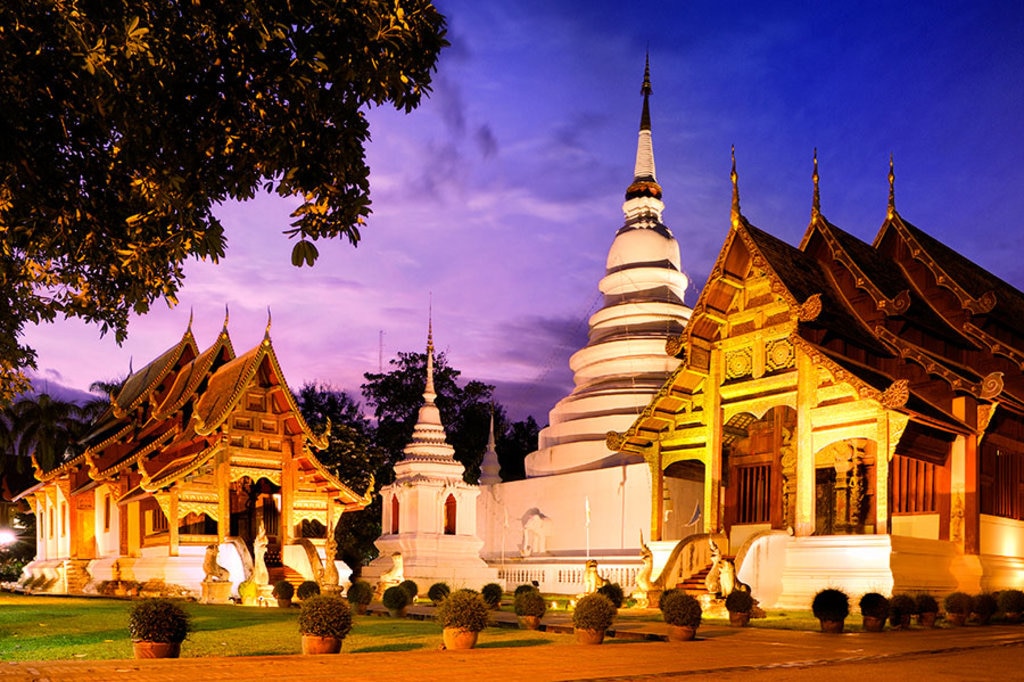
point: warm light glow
(7, 537)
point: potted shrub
(984, 606)
(396, 600)
(492, 593)
(411, 588)
(874, 608)
(901, 608)
(958, 607)
(530, 607)
(1011, 603)
(438, 592)
(463, 614)
(324, 621)
(614, 592)
(307, 589)
(682, 613)
(927, 610)
(831, 606)
(157, 628)
(739, 604)
(247, 592)
(360, 594)
(592, 616)
(283, 593)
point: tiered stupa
(429, 512)
(624, 362)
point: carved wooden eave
(863, 389)
(653, 419)
(994, 345)
(192, 376)
(975, 306)
(990, 386)
(63, 470)
(160, 368)
(172, 474)
(332, 485)
(896, 305)
(140, 454)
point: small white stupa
(429, 512)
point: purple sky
(502, 193)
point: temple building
(197, 452)
(579, 498)
(853, 413)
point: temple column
(965, 506)
(657, 492)
(713, 450)
(806, 389)
(287, 525)
(173, 530)
(883, 455)
(223, 484)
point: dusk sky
(501, 194)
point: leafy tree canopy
(125, 122)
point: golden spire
(191, 313)
(226, 315)
(266, 334)
(735, 214)
(816, 200)
(430, 348)
(891, 210)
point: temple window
(106, 512)
(449, 515)
(63, 519)
(394, 514)
(754, 494)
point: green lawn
(47, 628)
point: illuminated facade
(853, 412)
(196, 449)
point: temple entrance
(682, 499)
(759, 470)
(253, 503)
(844, 488)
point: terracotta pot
(681, 633)
(529, 622)
(834, 627)
(739, 619)
(957, 619)
(904, 623)
(284, 603)
(457, 638)
(874, 624)
(397, 613)
(359, 609)
(156, 649)
(584, 636)
(927, 620)
(314, 644)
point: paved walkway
(722, 652)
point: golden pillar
(806, 390)
(713, 450)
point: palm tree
(46, 426)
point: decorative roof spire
(891, 210)
(227, 316)
(643, 196)
(816, 200)
(270, 321)
(191, 314)
(490, 469)
(735, 214)
(428, 436)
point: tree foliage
(125, 123)
(354, 458)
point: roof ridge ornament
(816, 198)
(226, 316)
(891, 208)
(735, 215)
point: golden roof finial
(191, 314)
(816, 200)
(226, 316)
(430, 346)
(891, 209)
(266, 334)
(735, 214)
